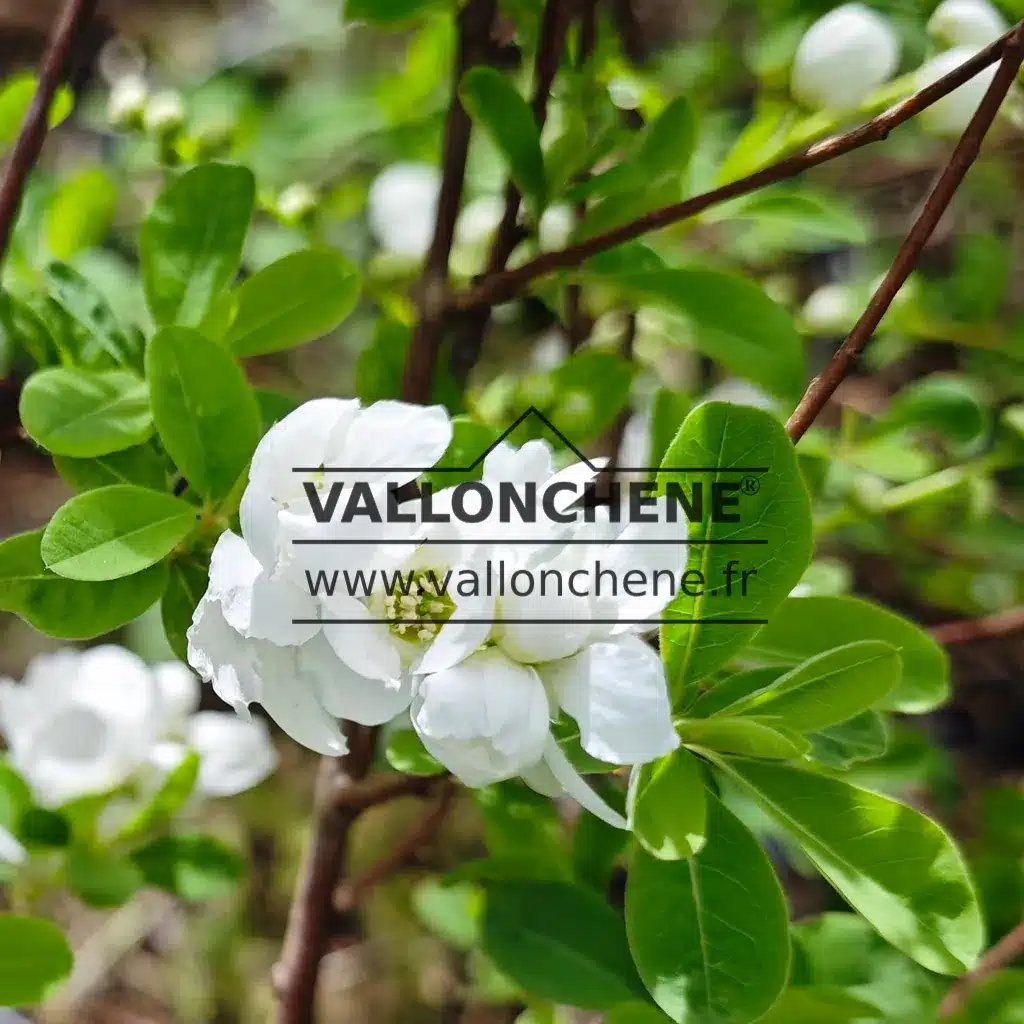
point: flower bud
(974, 23)
(842, 57)
(165, 113)
(830, 309)
(556, 226)
(127, 102)
(951, 115)
(401, 207)
(297, 202)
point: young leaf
(192, 867)
(101, 879)
(79, 213)
(772, 508)
(668, 141)
(750, 737)
(67, 608)
(15, 796)
(191, 242)
(828, 688)
(114, 531)
(297, 299)
(805, 626)
(559, 942)
(85, 415)
(893, 865)
(691, 923)
(494, 103)
(34, 957)
(141, 465)
(668, 806)
(166, 802)
(204, 410)
(406, 753)
(16, 97)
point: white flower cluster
(482, 677)
(852, 50)
(86, 722)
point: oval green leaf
(114, 531)
(749, 737)
(34, 957)
(667, 806)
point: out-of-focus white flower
(974, 23)
(127, 101)
(842, 57)
(556, 226)
(478, 221)
(297, 201)
(402, 206)
(830, 309)
(951, 115)
(164, 113)
(741, 392)
(11, 851)
(81, 721)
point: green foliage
(34, 957)
(192, 867)
(668, 806)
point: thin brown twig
(52, 72)
(965, 630)
(350, 895)
(963, 156)
(1002, 954)
(501, 287)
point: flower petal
(362, 642)
(576, 786)
(11, 851)
(235, 754)
(179, 691)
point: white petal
(486, 719)
(179, 690)
(233, 573)
(524, 633)
(974, 23)
(235, 754)
(575, 785)
(291, 700)
(616, 692)
(532, 463)
(951, 115)
(281, 612)
(401, 207)
(459, 639)
(120, 688)
(222, 656)
(364, 644)
(11, 851)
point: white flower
(830, 309)
(741, 392)
(80, 722)
(556, 226)
(974, 23)
(11, 851)
(402, 206)
(951, 115)
(127, 101)
(164, 113)
(478, 221)
(842, 57)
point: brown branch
(52, 71)
(475, 23)
(352, 892)
(1002, 954)
(966, 152)
(965, 630)
(507, 284)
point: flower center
(418, 614)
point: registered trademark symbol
(750, 485)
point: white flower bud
(478, 221)
(830, 309)
(951, 115)
(842, 57)
(165, 112)
(297, 201)
(556, 226)
(127, 101)
(974, 23)
(401, 207)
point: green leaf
(114, 531)
(668, 141)
(668, 806)
(722, 694)
(16, 97)
(41, 827)
(192, 867)
(406, 753)
(67, 608)
(820, 1004)
(597, 845)
(101, 879)
(560, 942)
(205, 412)
(494, 103)
(15, 795)
(34, 957)
(860, 739)
(166, 802)
(805, 626)
(635, 1013)
(733, 320)
(777, 512)
(451, 911)
(186, 585)
(893, 865)
(710, 935)
(469, 441)
(952, 405)
(798, 211)
(297, 299)
(141, 465)
(88, 307)
(997, 999)
(79, 212)
(85, 415)
(828, 688)
(980, 279)
(385, 12)
(191, 242)
(750, 737)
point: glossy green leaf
(186, 584)
(67, 608)
(719, 696)
(494, 103)
(952, 405)
(204, 410)
(83, 414)
(191, 241)
(15, 795)
(828, 688)
(750, 737)
(560, 942)
(862, 738)
(635, 1013)
(893, 865)
(297, 299)
(16, 97)
(41, 827)
(34, 958)
(101, 879)
(192, 867)
(114, 531)
(452, 912)
(79, 212)
(384, 12)
(668, 806)
(405, 752)
(141, 465)
(801, 211)
(776, 511)
(805, 626)
(668, 141)
(820, 1004)
(710, 935)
